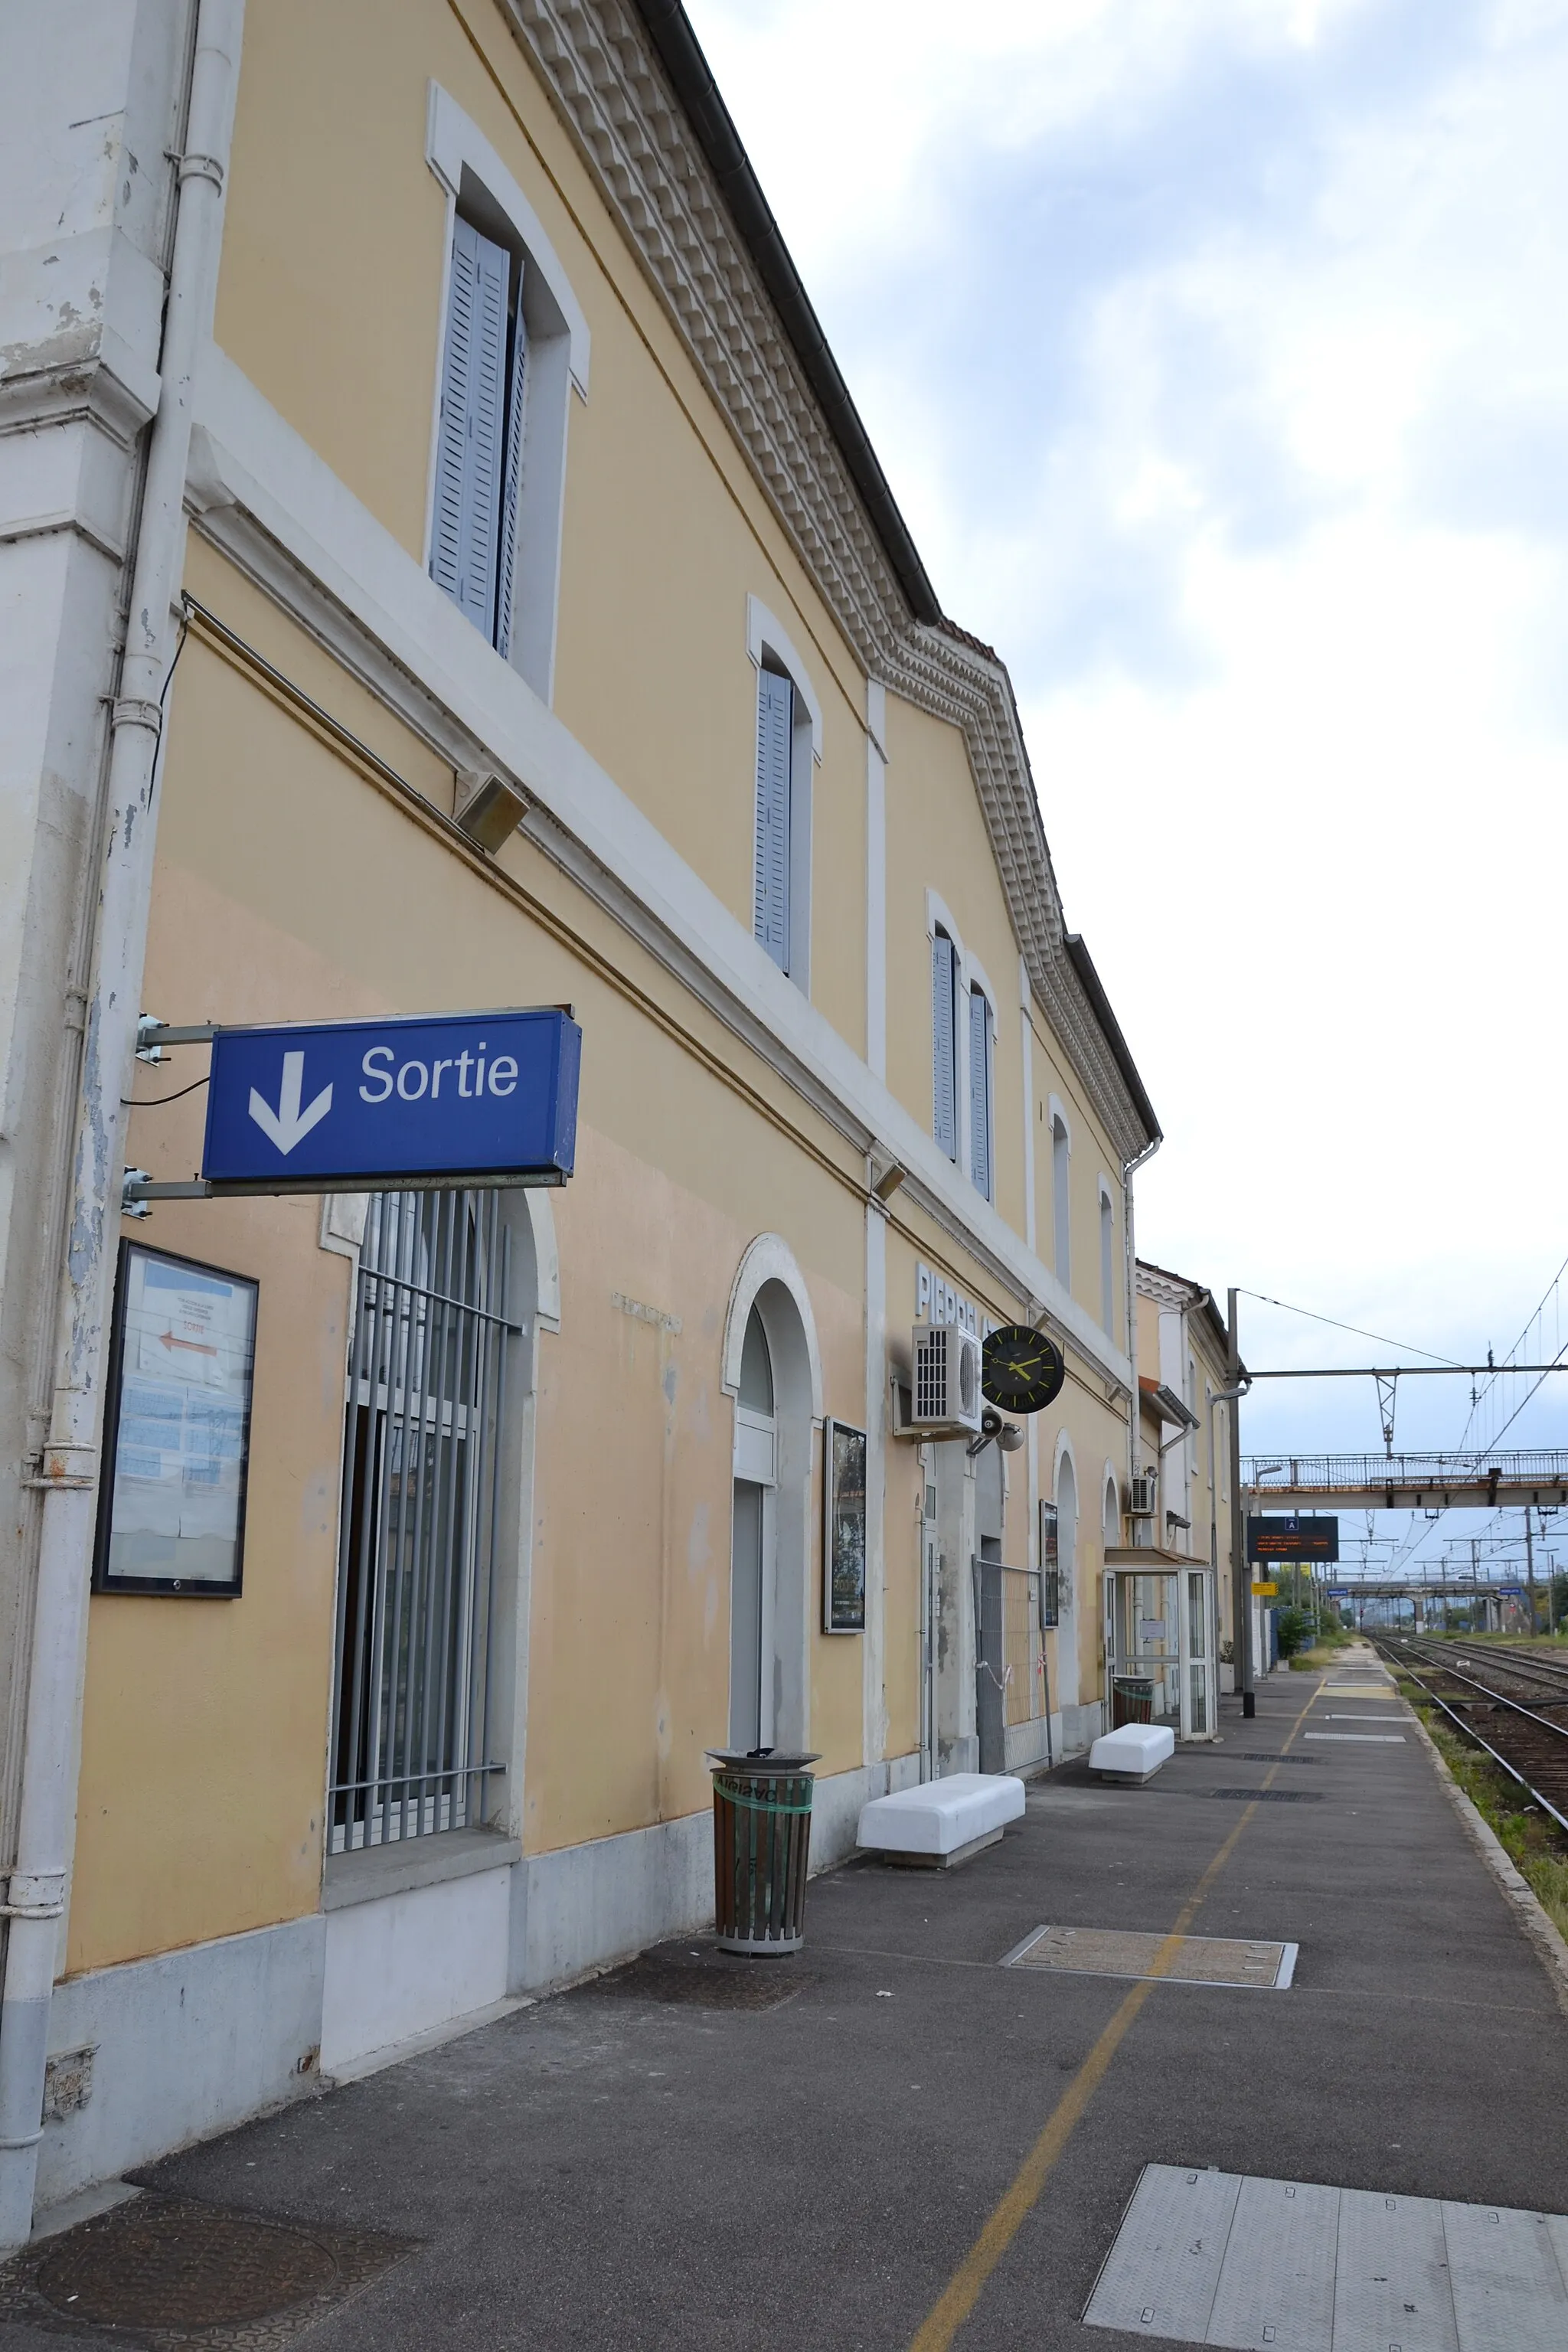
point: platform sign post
(464, 1098)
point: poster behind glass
(844, 1573)
(172, 1517)
(1050, 1567)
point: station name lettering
(413, 1080)
(939, 1301)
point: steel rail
(1470, 1730)
(1553, 1672)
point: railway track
(1517, 1671)
(1504, 1709)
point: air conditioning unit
(1143, 1495)
(946, 1378)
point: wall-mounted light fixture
(488, 809)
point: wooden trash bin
(762, 1843)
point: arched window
(754, 1555)
(1107, 1260)
(772, 1368)
(1067, 1567)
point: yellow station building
(547, 636)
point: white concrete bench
(940, 1822)
(1134, 1751)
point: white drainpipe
(46, 1832)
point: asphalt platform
(699, 2152)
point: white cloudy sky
(1217, 352)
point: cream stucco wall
(665, 534)
(289, 887)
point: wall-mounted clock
(1021, 1371)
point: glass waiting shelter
(1159, 1642)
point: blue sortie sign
(466, 1096)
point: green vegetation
(1532, 1840)
(1331, 1643)
(1295, 1629)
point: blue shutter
(980, 1091)
(944, 1057)
(473, 398)
(775, 732)
(512, 487)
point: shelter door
(1197, 1649)
(1142, 1649)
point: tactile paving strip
(1182, 1960)
(1218, 2258)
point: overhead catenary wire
(1553, 1290)
(1404, 1347)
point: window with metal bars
(424, 1420)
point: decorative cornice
(598, 65)
(1166, 1290)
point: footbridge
(1407, 1482)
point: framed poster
(177, 1437)
(1050, 1567)
(844, 1540)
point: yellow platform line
(963, 2290)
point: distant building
(1183, 1468)
(431, 517)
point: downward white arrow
(286, 1125)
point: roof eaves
(1093, 988)
(669, 28)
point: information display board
(176, 1440)
(1293, 1537)
(844, 1543)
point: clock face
(1022, 1371)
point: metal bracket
(151, 1032)
(138, 1189)
(64, 1469)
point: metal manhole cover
(198, 2269)
(1270, 1796)
(1266, 1967)
(684, 1977)
(172, 2271)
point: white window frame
(1061, 1192)
(977, 984)
(968, 975)
(768, 646)
(1107, 1257)
(478, 182)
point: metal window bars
(425, 1413)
